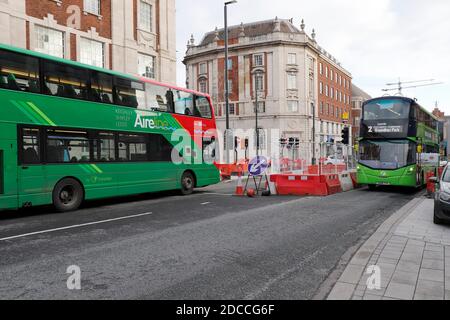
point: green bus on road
(399, 143)
(71, 132)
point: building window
(146, 66)
(259, 82)
(146, 16)
(292, 58)
(230, 64)
(258, 60)
(92, 6)
(326, 90)
(92, 52)
(326, 71)
(232, 108)
(202, 68)
(321, 87)
(261, 107)
(321, 68)
(331, 75)
(322, 108)
(292, 106)
(331, 92)
(202, 86)
(50, 41)
(292, 81)
(230, 86)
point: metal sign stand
(258, 184)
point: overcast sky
(377, 41)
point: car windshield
(391, 154)
(387, 109)
(446, 175)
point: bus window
(132, 147)
(30, 146)
(101, 87)
(65, 81)
(67, 146)
(184, 103)
(159, 98)
(159, 149)
(105, 150)
(202, 107)
(129, 93)
(19, 72)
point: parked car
(442, 197)
(332, 160)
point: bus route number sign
(258, 165)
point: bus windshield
(385, 155)
(386, 109)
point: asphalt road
(210, 245)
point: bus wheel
(68, 195)
(372, 187)
(187, 183)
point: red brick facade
(331, 108)
(41, 8)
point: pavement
(210, 245)
(413, 256)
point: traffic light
(346, 136)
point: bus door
(8, 178)
(31, 174)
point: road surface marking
(218, 194)
(205, 203)
(75, 226)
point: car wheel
(436, 219)
(68, 195)
(187, 183)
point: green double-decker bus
(399, 143)
(71, 132)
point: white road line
(205, 203)
(75, 226)
(218, 194)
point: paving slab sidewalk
(411, 254)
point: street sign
(258, 166)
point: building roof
(253, 29)
(358, 92)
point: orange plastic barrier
(306, 184)
(354, 179)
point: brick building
(358, 98)
(132, 36)
(335, 92)
(274, 61)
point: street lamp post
(313, 105)
(227, 104)
(257, 75)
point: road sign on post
(258, 166)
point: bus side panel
(207, 175)
(8, 166)
(98, 180)
(137, 178)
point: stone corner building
(281, 64)
(131, 36)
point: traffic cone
(239, 187)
